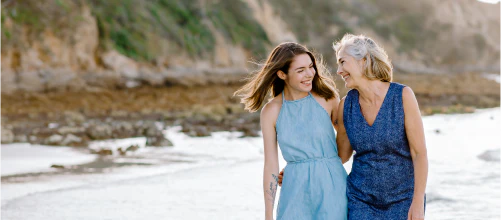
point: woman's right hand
(280, 177)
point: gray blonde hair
(377, 64)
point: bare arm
(335, 105)
(269, 115)
(415, 135)
(343, 144)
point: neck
(291, 94)
(372, 91)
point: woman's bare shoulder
(272, 108)
(329, 104)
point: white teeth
(346, 77)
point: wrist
(418, 197)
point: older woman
(380, 120)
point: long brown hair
(266, 80)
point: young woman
(300, 118)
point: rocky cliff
(74, 45)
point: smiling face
(350, 69)
(300, 74)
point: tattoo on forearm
(335, 122)
(273, 188)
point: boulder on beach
(490, 155)
(7, 136)
(57, 166)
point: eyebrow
(311, 64)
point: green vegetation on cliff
(61, 16)
(146, 30)
(143, 30)
(312, 21)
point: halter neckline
(297, 100)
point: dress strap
(283, 97)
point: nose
(339, 70)
(311, 72)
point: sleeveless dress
(381, 182)
(314, 183)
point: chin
(307, 89)
(348, 85)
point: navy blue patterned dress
(381, 182)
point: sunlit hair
(377, 64)
(266, 80)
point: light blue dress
(314, 184)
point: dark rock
(151, 130)
(490, 155)
(7, 136)
(122, 129)
(199, 131)
(99, 132)
(132, 148)
(104, 152)
(250, 131)
(21, 138)
(54, 139)
(159, 141)
(122, 152)
(186, 127)
(57, 166)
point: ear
(281, 75)
(362, 62)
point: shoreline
(147, 162)
(78, 118)
(224, 164)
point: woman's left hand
(416, 211)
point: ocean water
(220, 177)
